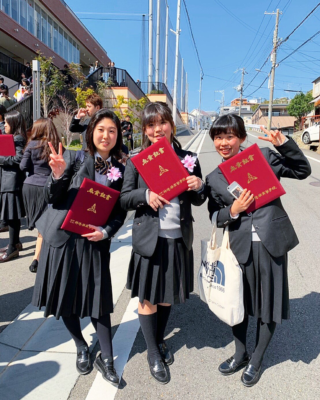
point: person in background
(35, 161)
(3, 110)
(260, 240)
(93, 104)
(161, 269)
(5, 100)
(73, 279)
(91, 69)
(11, 203)
(96, 65)
(3, 224)
(127, 130)
(28, 71)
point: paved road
(198, 339)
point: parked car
(311, 134)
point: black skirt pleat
(266, 289)
(166, 277)
(11, 206)
(74, 279)
(34, 203)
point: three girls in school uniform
(73, 279)
(11, 180)
(259, 240)
(161, 267)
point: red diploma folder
(162, 170)
(92, 205)
(251, 170)
(7, 147)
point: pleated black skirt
(266, 289)
(11, 206)
(166, 277)
(74, 279)
(34, 203)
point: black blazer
(77, 127)
(31, 162)
(271, 221)
(11, 178)
(146, 223)
(62, 192)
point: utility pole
(150, 46)
(199, 110)
(175, 87)
(241, 89)
(166, 48)
(36, 90)
(274, 62)
(158, 45)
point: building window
(15, 10)
(6, 6)
(31, 16)
(60, 52)
(65, 46)
(38, 22)
(55, 38)
(44, 28)
(23, 13)
(50, 28)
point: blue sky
(229, 35)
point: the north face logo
(219, 275)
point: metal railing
(156, 88)
(11, 68)
(25, 107)
(120, 77)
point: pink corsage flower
(189, 162)
(114, 174)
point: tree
(81, 95)
(300, 105)
(65, 107)
(51, 80)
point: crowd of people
(73, 271)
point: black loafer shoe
(4, 249)
(230, 366)
(83, 363)
(159, 371)
(250, 375)
(166, 355)
(107, 370)
(4, 257)
(33, 266)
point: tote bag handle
(213, 238)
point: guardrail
(25, 107)
(118, 77)
(11, 68)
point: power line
(249, 95)
(305, 42)
(193, 39)
(312, 11)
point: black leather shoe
(83, 363)
(166, 355)
(4, 257)
(4, 249)
(230, 366)
(250, 375)
(33, 266)
(159, 371)
(107, 370)
(4, 229)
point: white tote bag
(220, 278)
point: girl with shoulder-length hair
(73, 279)
(35, 161)
(11, 180)
(161, 267)
(259, 240)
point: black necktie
(101, 166)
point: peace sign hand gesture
(274, 137)
(57, 163)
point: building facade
(280, 117)
(48, 26)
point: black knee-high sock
(240, 338)
(72, 323)
(14, 233)
(149, 329)
(266, 332)
(163, 313)
(103, 329)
